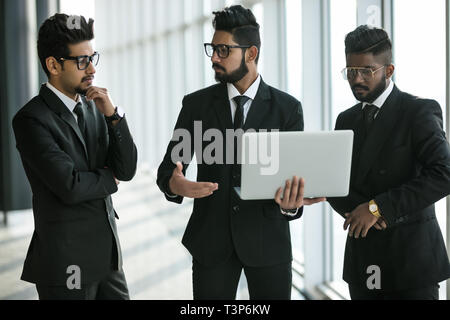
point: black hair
(366, 39)
(241, 23)
(60, 30)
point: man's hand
(293, 195)
(361, 220)
(381, 224)
(180, 186)
(115, 179)
(102, 100)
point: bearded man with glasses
(75, 146)
(225, 234)
(400, 168)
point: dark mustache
(360, 86)
(217, 66)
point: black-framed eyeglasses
(223, 50)
(367, 74)
(84, 61)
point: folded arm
(55, 168)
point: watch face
(120, 112)
(373, 207)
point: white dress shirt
(379, 102)
(250, 93)
(68, 102)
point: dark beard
(81, 91)
(234, 76)
(372, 96)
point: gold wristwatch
(373, 208)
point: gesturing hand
(179, 185)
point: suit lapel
(259, 107)
(222, 107)
(359, 137)
(381, 130)
(54, 103)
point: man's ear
(53, 66)
(252, 53)
(390, 71)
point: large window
(419, 58)
(85, 8)
(342, 21)
(294, 87)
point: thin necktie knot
(239, 116)
(241, 100)
(369, 114)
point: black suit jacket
(404, 164)
(223, 222)
(73, 212)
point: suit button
(383, 171)
(236, 209)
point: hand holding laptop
(293, 195)
(181, 186)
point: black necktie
(238, 124)
(239, 115)
(369, 115)
(78, 110)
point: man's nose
(215, 57)
(358, 78)
(91, 69)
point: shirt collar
(68, 102)
(251, 91)
(379, 102)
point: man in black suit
(226, 234)
(75, 147)
(400, 168)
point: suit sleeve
(295, 120)
(432, 151)
(343, 205)
(55, 168)
(295, 123)
(183, 132)
(122, 152)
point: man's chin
(220, 78)
(360, 97)
(82, 90)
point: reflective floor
(156, 264)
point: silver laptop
(268, 159)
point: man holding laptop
(400, 168)
(226, 234)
